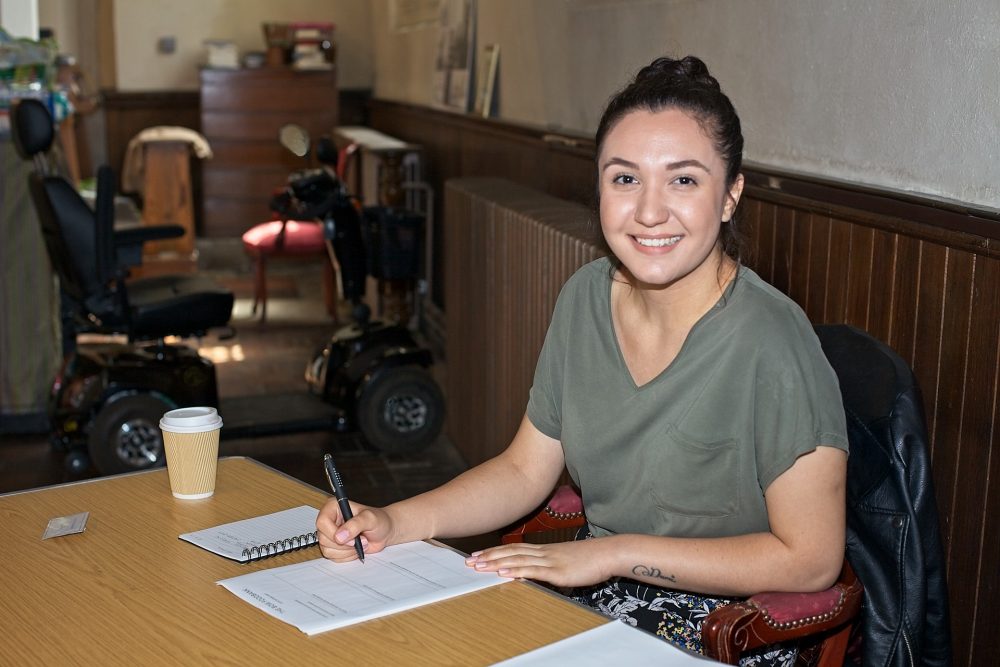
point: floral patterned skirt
(671, 615)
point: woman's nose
(651, 208)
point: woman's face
(663, 197)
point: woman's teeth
(658, 243)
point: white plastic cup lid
(191, 420)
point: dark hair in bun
(685, 84)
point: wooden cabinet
(241, 113)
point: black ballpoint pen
(345, 507)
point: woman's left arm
(803, 551)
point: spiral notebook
(260, 537)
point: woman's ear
(732, 198)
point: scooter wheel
(401, 410)
(126, 436)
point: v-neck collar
(709, 314)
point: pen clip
(333, 476)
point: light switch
(166, 44)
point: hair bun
(689, 70)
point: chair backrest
(33, 131)
(79, 243)
(893, 536)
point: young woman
(689, 400)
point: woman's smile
(665, 242)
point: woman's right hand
(336, 537)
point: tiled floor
(270, 358)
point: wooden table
(127, 591)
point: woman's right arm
(487, 497)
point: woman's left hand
(579, 563)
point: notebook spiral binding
(277, 547)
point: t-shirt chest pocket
(696, 478)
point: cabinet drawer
(263, 125)
(243, 183)
(253, 154)
(292, 91)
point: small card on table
(66, 525)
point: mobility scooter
(108, 397)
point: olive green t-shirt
(691, 452)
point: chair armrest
(769, 618)
(142, 233)
(129, 238)
(564, 509)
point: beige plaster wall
(138, 24)
(903, 95)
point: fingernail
(503, 572)
(342, 536)
(480, 566)
(474, 554)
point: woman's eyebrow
(684, 164)
(620, 162)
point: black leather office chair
(83, 248)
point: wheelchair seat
(83, 248)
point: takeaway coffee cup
(191, 440)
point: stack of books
(312, 45)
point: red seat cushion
(300, 238)
(565, 501)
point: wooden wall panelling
(784, 239)
(243, 180)
(270, 154)
(983, 616)
(950, 404)
(933, 305)
(881, 300)
(859, 276)
(905, 276)
(763, 241)
(838, 272)
(819, 267)
(972, 480)
(926, 360)
(800, 257)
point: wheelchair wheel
(126, 436)
(401, 410)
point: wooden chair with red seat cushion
(820, 623)
(294, 238)
(287, 238)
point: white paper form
(611, 643)
(282, 530)
(320, 595)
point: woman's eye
(624, 179)
(685, 180)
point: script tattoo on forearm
(653, 572)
